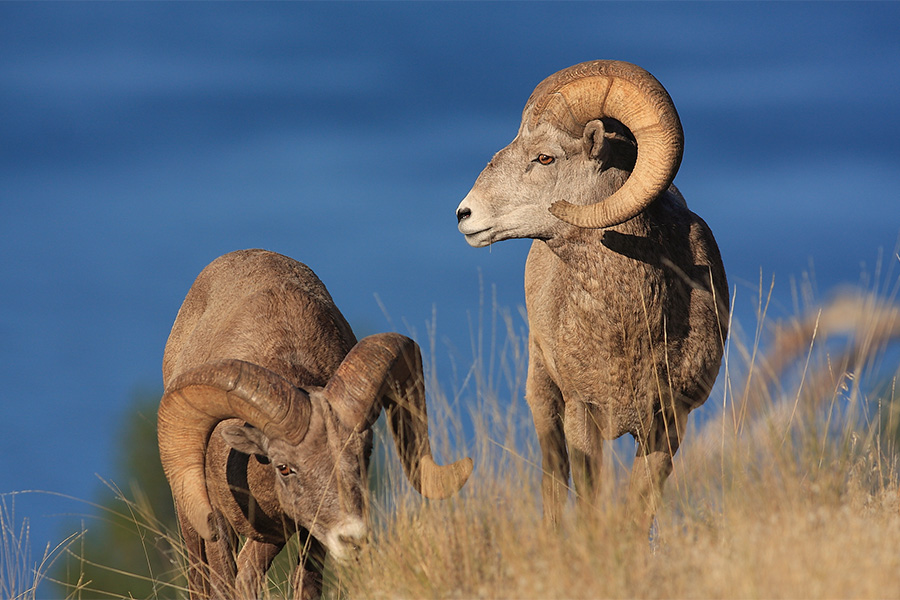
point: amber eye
(545, 159)
(284, 470)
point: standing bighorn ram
(625, 289)
(259, 341)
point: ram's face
(320, 483)
(512, 195)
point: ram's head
(315, 440)
(574, 127)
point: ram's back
(264, 308)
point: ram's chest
(602, 331)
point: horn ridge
(197, 400)
(572, 97)
(248, 386)
(384, 371)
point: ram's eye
(545, 159)
(284, 470)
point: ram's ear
(246, 439)
(594, 142)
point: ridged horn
(592, 90)
(197, 401)
(385, 371)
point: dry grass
(786, 486)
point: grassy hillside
(785, 487)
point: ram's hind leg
(653, 463)
(547, 408)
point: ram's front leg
(307, 580)
(653, 464)
(220, 555)
(198, 568)
(253, 563)
(585, 453)
(547, 409)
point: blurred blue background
(140, 141)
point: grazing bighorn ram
(625, 289)
(259, 341)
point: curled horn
(592, 90)
(197, 401)
(385, 371)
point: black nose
(463, 213)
